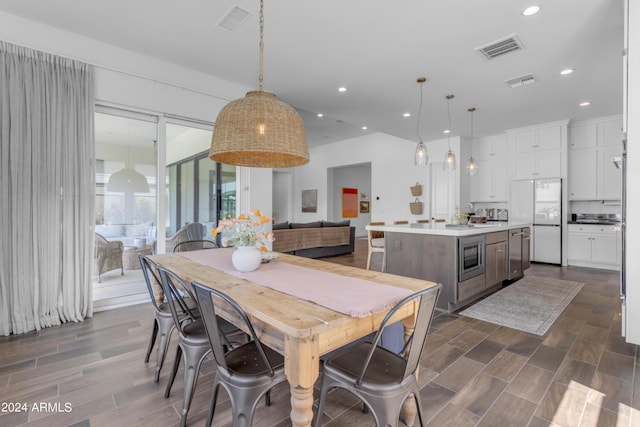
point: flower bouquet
(245, 230)
(246, 233)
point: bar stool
(376, 244)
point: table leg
(409, 408)
(302, 366)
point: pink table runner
(348, 295)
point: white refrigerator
(539, 201)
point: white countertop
(441, 229)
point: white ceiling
(377, 49)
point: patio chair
(107, 256)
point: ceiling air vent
(527, 79)
(233, 18)
(500, 47)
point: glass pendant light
(421, 157)
(471, 168)
(449, 162)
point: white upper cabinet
(538, 152)
(491, 182)
(592, 174)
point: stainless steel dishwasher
(515, 253)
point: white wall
(392, 173)
(282, 196)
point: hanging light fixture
(449, 162)
(421, 157)
(259, 130)
(471, 168)
(127, 180)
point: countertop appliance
(539, 201)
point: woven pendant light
(259, 130)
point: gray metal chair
(380, 378)
(244, 382)
(163, 324)
(194, 245)
(193, 343)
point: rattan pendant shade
(259, 130)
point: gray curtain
(46, 189)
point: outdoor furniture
(107, 256)
(130, 255)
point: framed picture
(349, 202)
(309, 200)
(364, 207)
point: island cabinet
(497, 258)
(470, 261)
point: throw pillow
(315, 224)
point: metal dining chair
(245, 383)
(163, 324)
(193, 344)
(194, 245)
(383, 380)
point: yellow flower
(241, 217)
(214, 232)
(257, 212)
(263, 248)
(264, 219)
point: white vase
(246, 258)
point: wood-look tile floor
(581, 373)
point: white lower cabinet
(596, 246)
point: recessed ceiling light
(531, 10)
(585, 104)
(406, 115)
(447, 131)
(364, 128)
(320, 115)
(342, 89)
(566, 71)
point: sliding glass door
(197, 189)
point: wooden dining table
(299, 329)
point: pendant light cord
(261, 17)
(449, 117)
(471, 110)
(419, 112)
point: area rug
(531, 304)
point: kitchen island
(469, 260)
